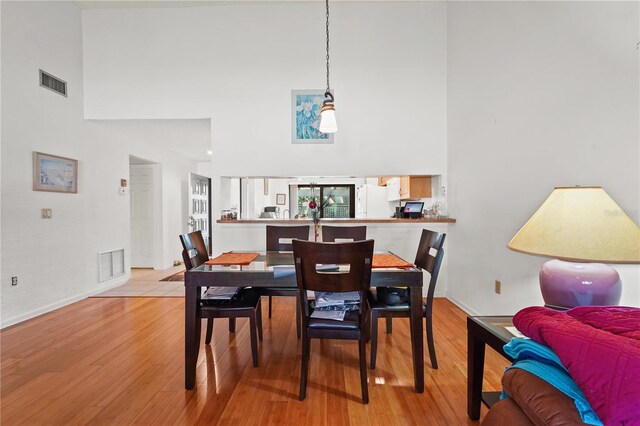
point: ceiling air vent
(53, 83)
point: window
(338, 201)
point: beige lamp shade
(580, 224)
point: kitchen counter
(332, 221)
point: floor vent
(111, 264)
(53, 83)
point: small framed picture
(52, 173)
(281, 199)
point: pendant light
(328, 122)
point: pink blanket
(600, 347)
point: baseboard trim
(59, 304)
(470, 311)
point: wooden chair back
(428, 261)
(357, 255)
(354, 233)
(194, 251)
(275, 233)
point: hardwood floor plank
(121, 360)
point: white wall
(56, 260)
(540, 94)
(238, 64)
(275, 186)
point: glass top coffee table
(483, 331)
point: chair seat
(247, 298)
(350, 323)
(377, 304)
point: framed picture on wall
(281, 199)
(52, 173)
(305, 117)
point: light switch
(46, 213)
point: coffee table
(483, 331)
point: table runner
(389, 261)
(233, 259)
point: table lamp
(582, 228)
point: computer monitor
(413, 209)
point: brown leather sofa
(532, 401)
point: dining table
(276, 269)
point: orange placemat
(389, 261)
(233, 259)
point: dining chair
(353, 233)
(279, 239)
(354, 260)
(246, 304)
(429, 262)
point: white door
(141, 180)
(199, 208)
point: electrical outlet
(498, 287)
(14, 280)
(46, 213)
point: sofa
(578, 366)
(531, 401)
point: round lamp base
(569, 284)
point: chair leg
(254, 341)
(304, 366)
(389, 323)
(363, 370)
(270, 306)
(432, 348)
(298, 319)
(259, 320)
(207, 339)
(374, 338)
(232, 325)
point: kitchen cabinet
(382, 181)
(408, 187)
(414, 187)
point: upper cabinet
(406, 187)
(382, 181)
(414, 187)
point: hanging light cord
(328, 86)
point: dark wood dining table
(273, 269)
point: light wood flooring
(119, 361)
(147, 283)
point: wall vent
(53, 83)
(111, 264)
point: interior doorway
(143, 182)
(200, 206)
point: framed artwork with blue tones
(52, 173)
(305, 117)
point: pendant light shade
(328, 122)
